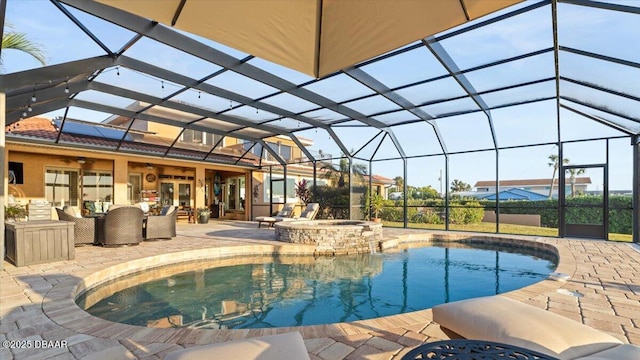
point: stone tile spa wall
(332, 237)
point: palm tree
(553, 162)
(12, 40)
(399, 181)
(459, 185)
(572, 178)
(339, 175)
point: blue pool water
(292, 291)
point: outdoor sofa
(502, 320)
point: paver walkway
(606, 274)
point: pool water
(293, 291)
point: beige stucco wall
(36, 158)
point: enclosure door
(585, 214)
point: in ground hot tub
(332, 237)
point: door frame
(590, 230)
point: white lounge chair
(309, 213)
(285, 213)
(500, 319)
(271, 347)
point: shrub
(471, 212)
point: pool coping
(59, 302)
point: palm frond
(20, 42)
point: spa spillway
(332, 237)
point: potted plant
(203, 215)
(377, 203)
(14, 212)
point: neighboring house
(159, 165)
(506, 195)
(540, 186)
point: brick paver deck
(36, 303)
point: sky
(600, 31)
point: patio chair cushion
(167, 209)
(500, 319)
(620, 352)
(310, 212)
(71, 211)
(276, 347)
(285, 213)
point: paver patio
(31, 306)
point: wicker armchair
(84, 229)
(121, 226)
(162, 226)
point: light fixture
(33, 98)
(198, 94)
(29, 108)
(66, 89)
(81, 160)
(162, 82)
(149, 166)
(118, 71)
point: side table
(464, 349)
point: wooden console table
(40, 241)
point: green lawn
(504, 228)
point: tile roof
(532, 182)
(44, 129)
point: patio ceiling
(428, 79)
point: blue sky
(599, 31)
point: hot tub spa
(332, 237)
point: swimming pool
(277, 291)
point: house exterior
(162, 165)
(505, 195)
(540, 186)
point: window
(61, 187)
(134, 188)
(199, 137)
(97, 186)
(15, 173)
(278, 189)
(283, 150)
(255, 150)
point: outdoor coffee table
(464, 349)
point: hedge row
(467, 211)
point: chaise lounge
(271, 347)
(502, 320)
(286, 212)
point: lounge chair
(502, 320)
(162, 226)
(84, 229)
(285, 213)
(270, 347)
(309, 213)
